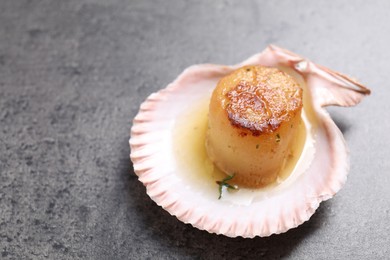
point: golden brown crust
(260, 99)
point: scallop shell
(291, 203)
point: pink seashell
(325, 161)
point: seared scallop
(253, 118)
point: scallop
(184, 173)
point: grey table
(73, 74)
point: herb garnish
(224, 183)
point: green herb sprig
(224, 183)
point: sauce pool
(196, 168)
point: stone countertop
(73, 74)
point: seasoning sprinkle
(277, 138)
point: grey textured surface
(73, 74)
